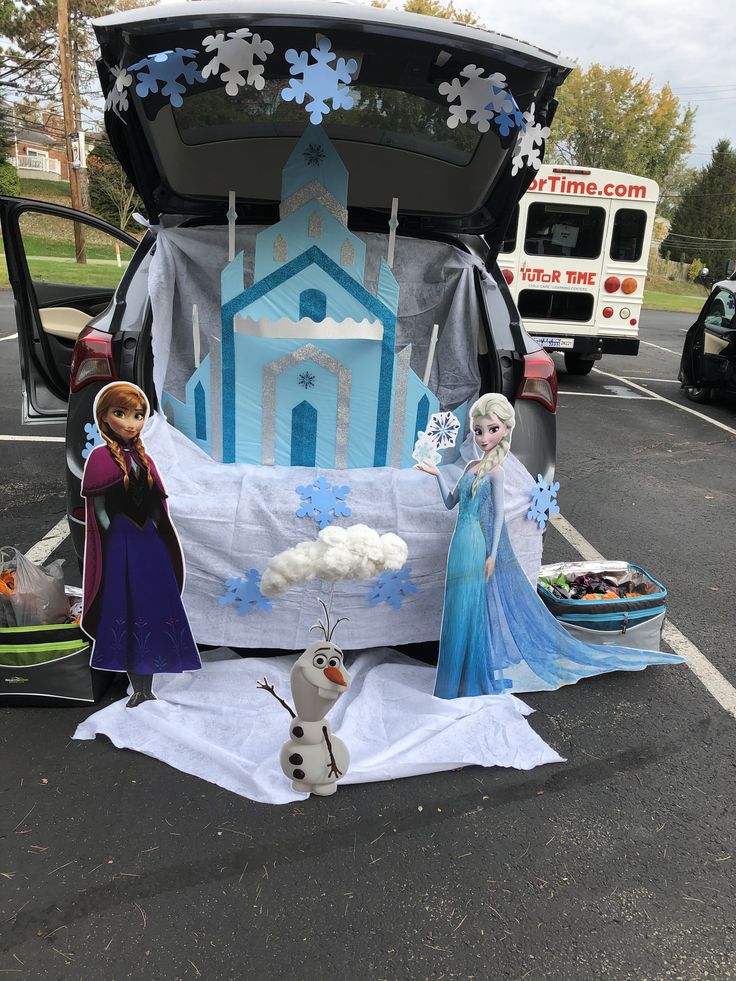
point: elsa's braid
(497, 405)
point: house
(39, 151)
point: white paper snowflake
(237, 53)
(442, 429)
(320, 80)
(529, 143)
(425, 450)
(117, 97)
(481, 100)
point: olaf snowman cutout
(313, 758)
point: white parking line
(708, 675)
(33, 439)
(677, 354)
(603, 395)
(661, 398)
(8, 337)
(50, 541)
(660, 381)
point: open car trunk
(433, 114)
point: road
(618, 864)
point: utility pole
(65, 65)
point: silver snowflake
(237, 53)
(320, 80)
(529, 143)
(306, 379)
(443, 428)
(481, 100)
(117, 97)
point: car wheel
(698, 393)
(576, 365)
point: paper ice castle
(306, 373)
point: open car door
(58, 289)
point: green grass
(37, 245)
(56, 191)
(674, 302)
(68, 273)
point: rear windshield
(380, 116)
(568, 230)
(627, 240)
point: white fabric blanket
(235, 517)
(215, 724)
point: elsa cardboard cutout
(497, 635)
(133, 563)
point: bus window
(509, 239)
(629, 226)
(568, 230)
(555, 305)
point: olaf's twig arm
(269, 688)
(334, 772)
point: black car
(708, 363)
(185, 153)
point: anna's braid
(118, 454)
(141, 450)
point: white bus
(575, 258)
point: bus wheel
(577, 365)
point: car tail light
(540, 380)
(92, 359)
(612, 284)
(628, 285)
(607, 312)
(508, 276)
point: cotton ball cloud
(357, 552)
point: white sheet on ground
(215, 724)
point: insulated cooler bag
(48, 665)
(634, 622)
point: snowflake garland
(320, 80)
(237, 53)
(323, 501)
(481, 101)
(392, 588)
(442, 429)
(117, 98)
(544, 501)
(529, 143)
(425, 450)
(168, 72)
(93, 438)
(306, 379)
(245, 593)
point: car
(211, 163)
(708, 363)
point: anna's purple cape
(101, 473)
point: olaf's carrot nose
(335, 675)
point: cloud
(357, 552)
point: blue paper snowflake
(323, 501)
(544, 501)
(314, 155)
(443, 428)
(306, 379)
(246, 593)
(320, 80)
(168, 72)
(392, 588)
(93, 438)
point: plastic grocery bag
(31, 595)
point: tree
(435, 8)
(609, 118)
(111, 195)
(704, 223)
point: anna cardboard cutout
(133, 563)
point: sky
(686, 44)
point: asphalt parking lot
(618, 864)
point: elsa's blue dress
(498, 635)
